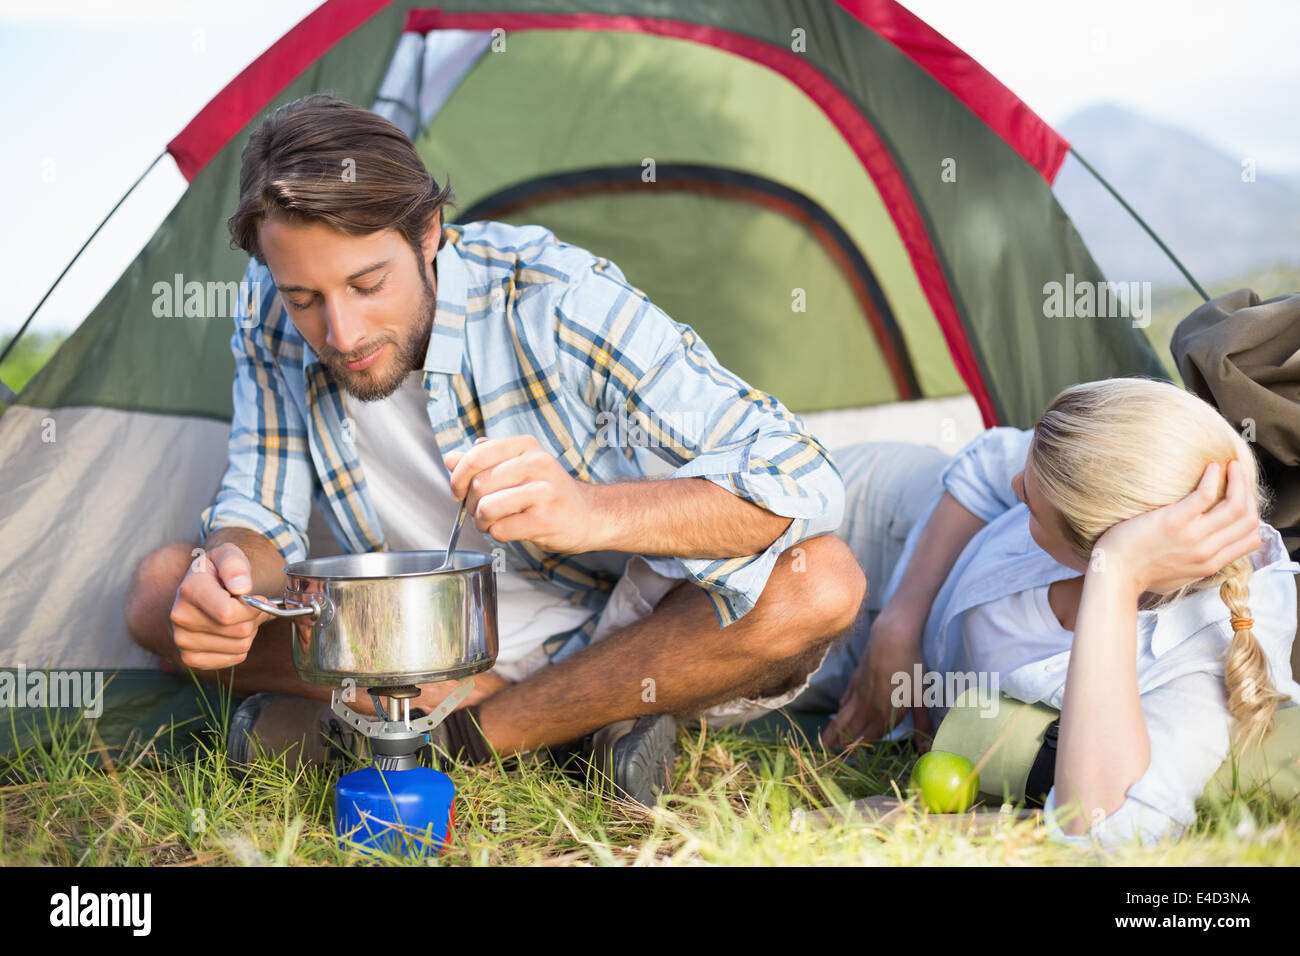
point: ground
(736, 799)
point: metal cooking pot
(388, 618)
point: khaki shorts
(634, 598)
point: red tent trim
(236, 105)
(853, 126)
(262, 80)
(1001, 110)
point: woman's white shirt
(1007, 633)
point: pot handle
(283, 610)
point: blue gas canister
(388, 810)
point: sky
(94, 90)
(1226, 71)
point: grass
(736, 800)
(28, 357)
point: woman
(1103, 564)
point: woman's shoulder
(1272, 553)
(1272, 587)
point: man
(391, 366)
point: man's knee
(151, 592)
(786, 675)
(818, 587)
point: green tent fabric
(855, 216)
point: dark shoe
(635, 756)
(305, 730)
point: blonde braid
(1252, 698)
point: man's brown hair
(322, 159)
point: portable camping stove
(395, 804)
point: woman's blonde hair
(1107, 451)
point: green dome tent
(853, 214)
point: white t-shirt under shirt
(411, 490)
(1002, 635)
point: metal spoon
(455, 533)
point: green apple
(948, 782)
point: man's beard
(372, 385)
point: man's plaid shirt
(531, 336)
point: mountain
(1188, 190)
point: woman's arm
(944, 537)
(977, 488)
(895, 643)
(1104, 748)
(1187, 722)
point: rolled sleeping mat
(1012, 734)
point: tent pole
(1141, 222)
(23, 328)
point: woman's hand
(894, 644)
(865, 710)
(1180, 543)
